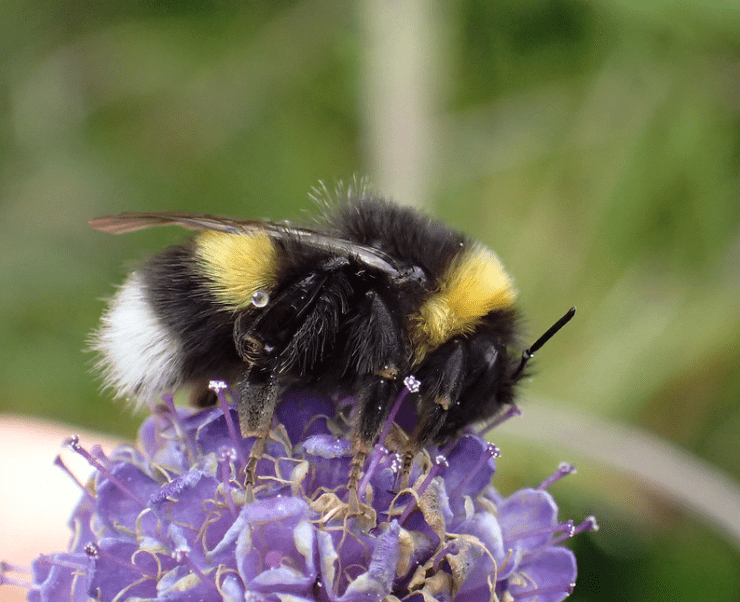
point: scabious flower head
(171, 520)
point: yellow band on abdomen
(474, 285)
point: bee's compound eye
(260, 299)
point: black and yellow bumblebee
(370, 293)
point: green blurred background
(595, 146)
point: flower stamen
(568, 527)
(511, 412)
(177, 424)
(410, 385)
(219, 387)
(379, 453)
(491, 451)
(60, 463)
(74, 444)
(564, 469)
(7, 567)
(588, 524)
(93, 550)
(226, 456)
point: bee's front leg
(377, 393)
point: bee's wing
(133, 221)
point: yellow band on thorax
(238, 265)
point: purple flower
(172, 520)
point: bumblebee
(370, 293)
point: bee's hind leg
(257, 400)
(430, 417)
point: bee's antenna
(527, 354)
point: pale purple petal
(525, 517)
(551, 572)
(61, 577)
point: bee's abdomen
(182, 298)
(165, 328)
(139, 356)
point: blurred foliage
(594, 145)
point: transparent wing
(133, 221)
